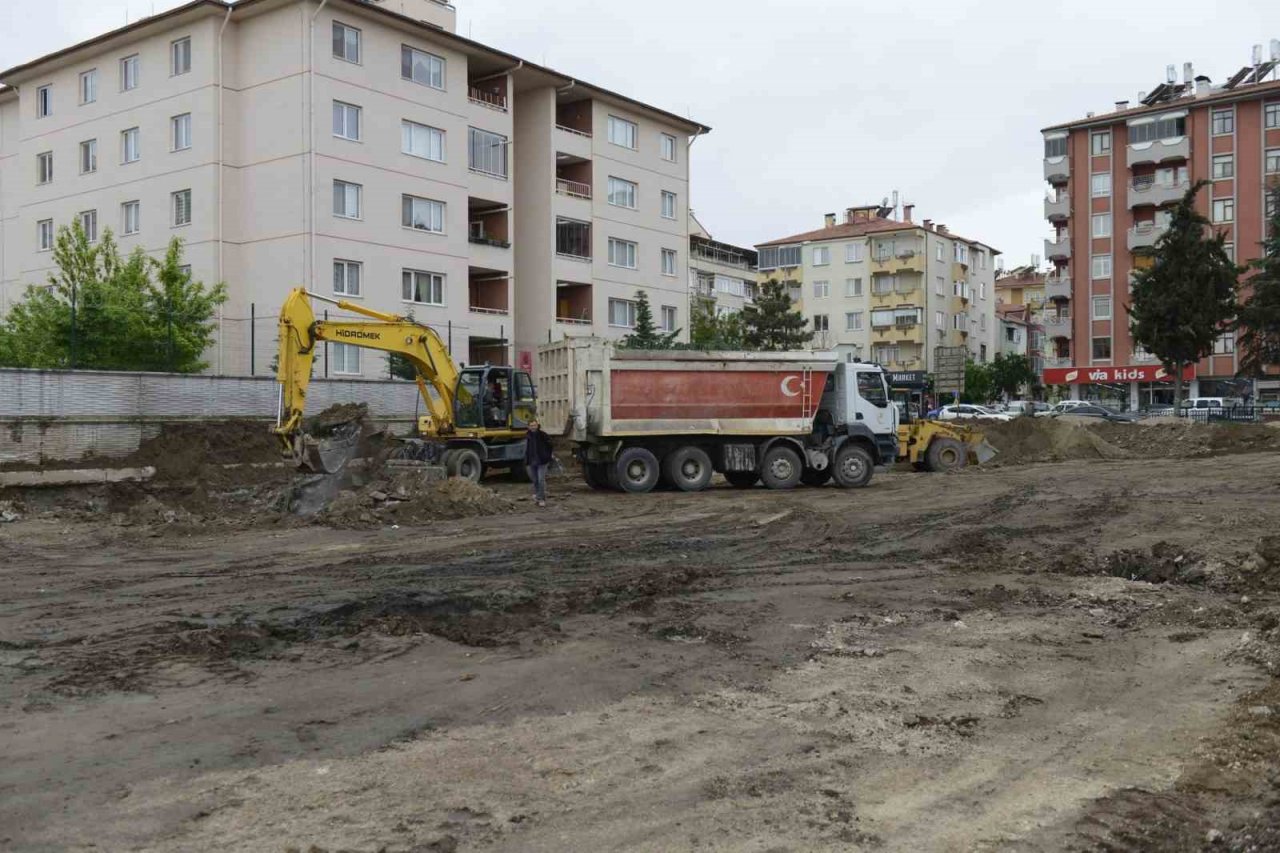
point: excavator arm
(300, 332)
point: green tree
(1258, 321)
(646, 334)
(771, 323)
(709, 331)
(1181, 303)
(979, 385)
(1010, 372)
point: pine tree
(1181, 303)
(646, 334)
(1259, 318)
(710, 331)
(771, 323)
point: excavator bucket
(330, 454)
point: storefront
(1121, 388)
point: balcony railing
(719, 256)
(1145, 234)
(1057, 326)
(573, 189)
(487, 99)
(574, 321)
(1057, 287)
(962, 290)
(480, 309)
(481, 240)
(1057, 361)
(1057, 169)
(1059, 247)
(574, 131)
(1146, 190)
(1159, 150)
(1057, 208)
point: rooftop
(865, 221)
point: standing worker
(537, 457)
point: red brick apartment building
(1112, 180)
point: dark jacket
(537, 448)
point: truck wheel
(594, 475)
(945, 454)
(465, 464)
(741, 479)
(636, 470)
(688, 468)
(814, 477)
(781, 468)
(853, 467)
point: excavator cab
(494, 398)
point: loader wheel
(688, 469)
(814, 477)
(853, 467)
(636, 470)
(465, 464)
(945, 454)
(781, 469)
(741, 479)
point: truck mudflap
(887, 445)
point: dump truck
(639, 418)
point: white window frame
(487, 153)
(341, 354)
(668, 318)
(180, 132)
(1100, 262)
(408, 131)
(44, 168)
(1225, 343)
(821, 256)
(1271, 115)
(350, 191)
(626, 129)
(436, 67)
(940, 319)
(88, 86)
(344, 115)
(1271, 161)
(433, 208)
(180, 56)
(90, 217)
(618, 191)
(821, 323)
(130, 224)
(1100, 307)
(852, 253)
(44, 235)
(1227, 117)
(44, 100)
(88, 156)
(667, 147)
(853, 321)
(821, 289)
(1094, 190)
(668, 205)
(1224, 210)
(941, 252)
(1099, 143)
(853, 287)
(630, 251)
(129, 72)
(180, 204)
(435, 281)
(1105, 230)
(1228, 161)
(130, 144)
(670, 262)
(629, 308)
(359, 42)
(347, 268)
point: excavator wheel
(465, 463)
(945, 454)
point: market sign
(1086, 375)
(906, 378)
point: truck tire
(464, 463)
(741, 479)
(781, 468)
(594, 475)
(814, 477)
(945, 454)
(688, 469)
(853, 467)
(636, 470)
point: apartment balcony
(1145, 234)
(1145, 191)
(573, 303)
(488, 293)
(489, 234)
(1059, 248)
(718, 256)
(1057, 209)
(1159, 150)
(490, 95)
(1057, 361)
(1057, 169)
(573, 128)
(1057, 326)
(908, 261)
(898, 332)
(962, 291)
(1057, 287)
(573, 189)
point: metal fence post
(253, 330)
(326, 347)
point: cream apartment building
(362, 149)
(722, 276)
(878, 288)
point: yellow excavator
(476, 415)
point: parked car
(966, 411)
(1064, 406)
(1026, 407)
(1095, 411)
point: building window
(346, 121)
(344, 359)
(1102, 349)
(668, 318)
(44, 101)
(1150, 130)
(1271, 115)
(44, 167)
(982, 290)
(962, 253)
(1230, 250)
(622, 193)
(1224, 344)
(424, 288)
(1272, 165)
(1224, 166)
(668, 205)
(421, 67)
(1224, 210)
(129, 150)
(940, 286)
(89, 224)
(89, 86)
(487, 153)
(1102, 307)
(180, 57)
(181, 131)
(821, 289)
(941, 251)
(130, 217)
(622, 253)
(346, 199)
(346, 277)
(852, 253)
(1102, 266)
(821, 323)
(940, 319)
(853, 321)
(852, 287)
(129, 73)
(622, 313)
(44, 235)
(419, 140)
(1102, 225)
(1100, 142)
(573, 238)
(668, 261)
(622, 132)
(1224, 121)
(1055, 146)
(346, 43)
(821, 256)
(88, 156)
(772, 257)
(667, 147)
(1100, 185)
(422, 214)
(181, 208)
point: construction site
(1018, 655)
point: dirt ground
(1071, 656)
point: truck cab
(856, 404)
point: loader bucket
(982, 451)
(330, 454)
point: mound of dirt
(1183, 439)
(410, 497)
(1025, 440)
(182, 450)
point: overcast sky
(817, 106)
